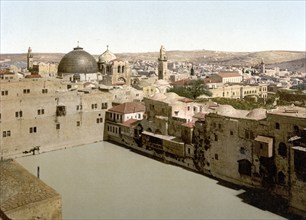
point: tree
(192, 89)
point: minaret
(192, 71)
(162, 64)
(263, 66)
(30, 59)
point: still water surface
(104, 181)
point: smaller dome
(107, 56)
(172, 96)
(226, 110)
(257, 113)
(159, 96)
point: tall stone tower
(30, 59)
(162, 64)
(263, 66)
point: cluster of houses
(259, 149)
(89, 100)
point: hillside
(292, 60)
(293, 65)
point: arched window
(281, 178)
(245, 167)
(122, 71)
(282, 149)
(296, 129)
(277, 125)
(119, 69)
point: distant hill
(291, 60)
(293, 65)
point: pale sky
(142, 26)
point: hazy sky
(142, 26)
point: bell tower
(263, 66)
(30, 59)
(162, 64)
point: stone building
(23, 196)
(260, 149)
(227, 77)
(40, 68)
(240, 91)
(114, 71)
(39, 115)
(121, 123)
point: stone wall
(23, 196)
(32, 120)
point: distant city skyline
(142, 26)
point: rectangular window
(44, 90)
(216, 137)
(33, 129)
(26, 91)
(78, 123)
(6, 133)
(216, 156)
(41, 111)
(104, 105)
(18, 114)
(58, 126)
(4, 92)
(98, 120)
(231, 133)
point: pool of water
(105, 181)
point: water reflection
(104, 181)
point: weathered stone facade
(42, 115)
(114, 71)
(259, 149)
(23, 196)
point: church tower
(263, 66)
(162, 64)
(30, 59)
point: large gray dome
(78, 61)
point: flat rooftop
(20, 188)
(291, 111)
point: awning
(294, 138)
(264, 139)
(299, 148)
